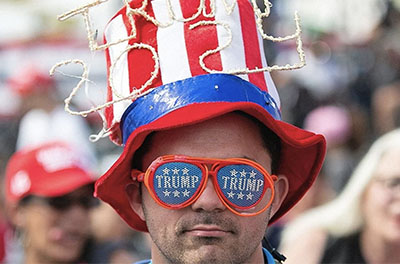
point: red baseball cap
(51, 169)
(30, 79)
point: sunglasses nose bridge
(211, 173)
(208, 200)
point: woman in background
(362, 225)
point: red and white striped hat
(173, 63)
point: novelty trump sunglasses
(242, 185)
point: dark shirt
(343, 250)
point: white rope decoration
(136, 92)
(133, 95)
(83, 77)
(229, 8)
(141, 11)
(80, 10)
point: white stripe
(171, 46)
(267, 76)
(116, 30)
(232, 57)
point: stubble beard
(177, 247)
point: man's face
(54, 235)
(206, 231)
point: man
(206, 231)
(48, 198)
(207, 164)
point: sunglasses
(65, 202)
(242, 185)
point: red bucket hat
(51, 169)
(176, 63)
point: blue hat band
(209, 88)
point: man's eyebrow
(245, 157)
(267, 169)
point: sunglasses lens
(175, 183)
(242, 186)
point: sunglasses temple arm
(137, 175)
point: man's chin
(208, 254)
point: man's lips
(207, 231)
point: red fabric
(139, 73)
(251, 46)
(199, 40)
(3, 230)
(109, 111)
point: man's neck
(158, 258)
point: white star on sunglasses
(233, 172)
(252, 174)
(185, 171)
(166, 171)
(185, 193)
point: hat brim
(301, 158)
(63, 182)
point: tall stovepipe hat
(174, 63)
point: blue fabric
(267, 256)
(209, 88)
(146, 261)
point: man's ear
(281, 190)
(135, 199)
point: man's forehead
(231, 125)
(229, 136)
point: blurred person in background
(111, 233)
(49, 197)
(362, 225)
(48, 191)
(335, 123)
(42, 115)
(386, 108)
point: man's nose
(208, 200)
